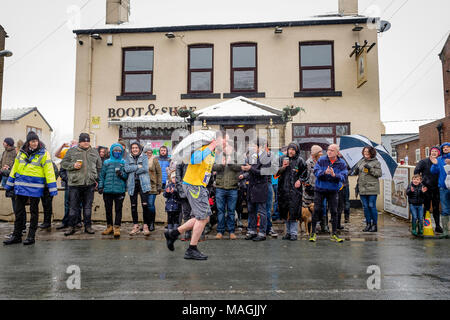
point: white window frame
(427, 152)
(417, 155)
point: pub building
(132, 80)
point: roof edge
(300, 23)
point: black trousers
(116, 199)
(47, 201)
(77, 195)
(432, 198)
(144, 201)
(185, 210)
(20, 214)
(332, 201)
(173, 217)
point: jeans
(253, 210)
(226, 204)
(269, 208)
(151, 207)
(117, 200)
(332, 200)
(369, 203)
(276, 214)
(292, 227)
(445, 201)
(85, 195)
(144, 201)
(66, 219)
(417, 213)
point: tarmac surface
(143, 268)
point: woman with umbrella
(369, 171)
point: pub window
(200, 68)
(137, 73)
(243, 67)
(316, 66)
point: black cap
(32, 136)
(9, 141)
(84, 137)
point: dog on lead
(306, 218)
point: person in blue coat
(331, 172)
(164, 162)
(441, 166)
(138, 183)
(113, 185)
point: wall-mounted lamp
(6, 53)
(357, 27)
(96, 36)
(170, 35)
(278, 30)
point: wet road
(274, 269)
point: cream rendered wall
(278, 75)
(17, 129)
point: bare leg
(197, 231)
(188, 225)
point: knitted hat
(315, 149)
(147, 148)
(32, 136)
(84, 137)
(9, 141)
(437, 148)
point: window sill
(200, 96)
(136, 97)
(245, 94)
(317, 94)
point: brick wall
(429, 135)
(2, 47)
(445, 58)
(411, 151)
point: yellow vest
(199, 174)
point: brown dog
(307, 218)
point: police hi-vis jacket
(31, 173)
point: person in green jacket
(369, 172)
(113, 185)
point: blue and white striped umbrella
(351, 149)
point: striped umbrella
(351, 149)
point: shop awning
(157, 121)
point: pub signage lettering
(150, 110)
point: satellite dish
(384, 26)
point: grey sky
(42, 71)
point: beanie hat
(32, 136)
(437, 148)
(9, 141)
(147, 148)
(315, 149)
(84, 137)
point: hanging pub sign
(150, 110)
(361, 61)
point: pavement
(143, 268)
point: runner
(195, 181)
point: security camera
(80, 42)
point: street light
(5, 53)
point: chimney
(117, 11)
(348, 7)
